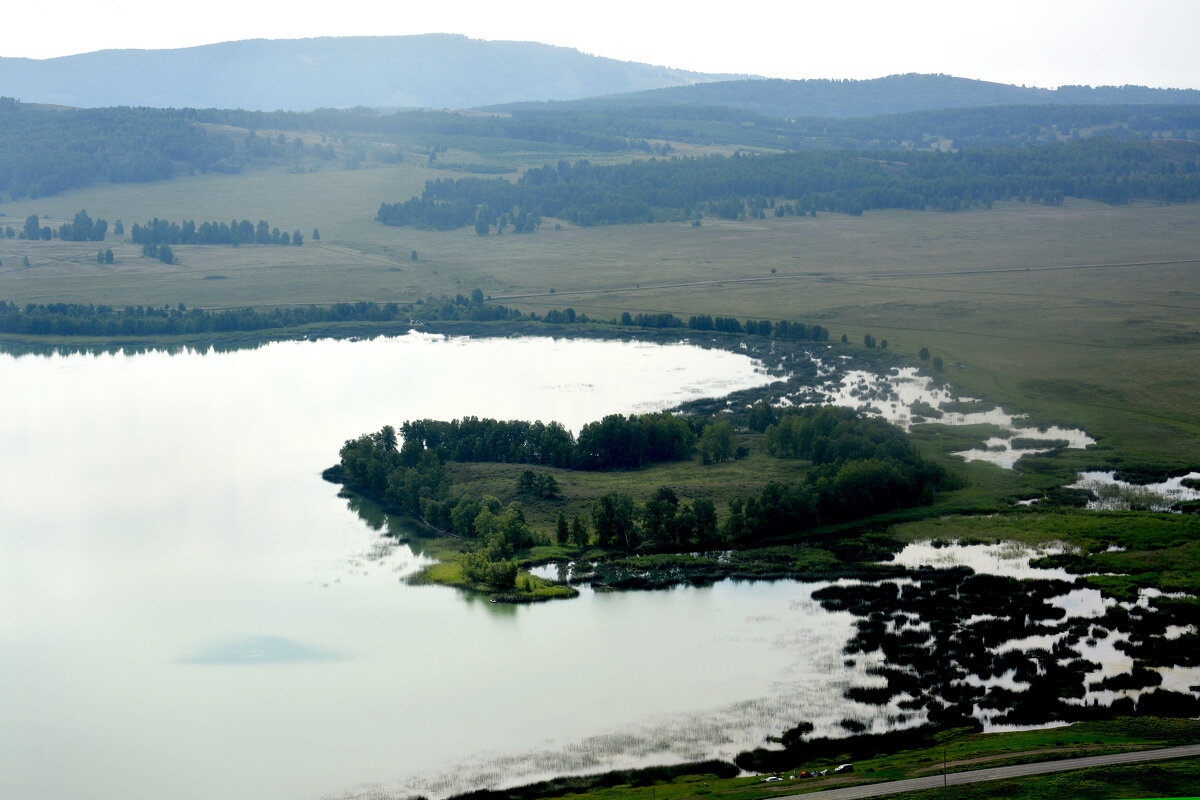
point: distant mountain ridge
(425, 71)
(894, 94)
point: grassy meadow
(1084, 314)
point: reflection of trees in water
(401, 528)
(958, 645)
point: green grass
(1078, 315)
(968, 751)
(578, 489)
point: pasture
(1083, 314)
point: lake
(191, 612)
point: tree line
(615, 442)
(163, 232)
(81, 229)
(1103, 169)
(78, 319)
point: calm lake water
(191, 612)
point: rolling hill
(427, 71)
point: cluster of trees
(162, 252)
(81, 229)
(850, 182)
(457, 212)
(857, 467)
(413, 479)
(662, 523)
(538, 484)
(828, 434)
(163, 232)
(615, 442)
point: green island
(1046, 264)
(636, 498)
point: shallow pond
(1117, 495)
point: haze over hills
(427, 71)
(893, 94)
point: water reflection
(166, 527)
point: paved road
(997, 773)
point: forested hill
(428, 71)
(894, 94)
(849, 182)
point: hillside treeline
(1102, 169)
(1010, 125)
(44, 151)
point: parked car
(843, 768)
(772, 779)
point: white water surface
(1117, 495)
(191, 612)
(893, 396)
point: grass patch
(961, 751)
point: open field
(1082, 314)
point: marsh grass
(1157, 550)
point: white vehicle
(843, 768)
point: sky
(1047, 43)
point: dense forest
(850, 182)
(46, 150)
(847, 98)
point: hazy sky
(1044, 43)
